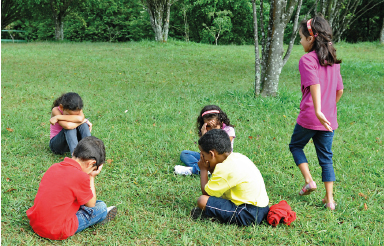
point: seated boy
(236, 193)
(66, 202)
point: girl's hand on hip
(324, 121)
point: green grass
(143, 99)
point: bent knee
(202, 201)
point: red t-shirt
(63, 188)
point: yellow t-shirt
(237, 179)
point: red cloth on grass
(280, 211)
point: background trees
(207, 21)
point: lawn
(143, 99)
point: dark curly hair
(323, 46)
(221, 117)
(216, 139)
(70, 101)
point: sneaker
(197, 213)
(111, 214)
(183, 170)
(308, 188)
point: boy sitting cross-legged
(236, 192)
(66, 202)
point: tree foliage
(207, 21)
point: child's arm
(316, 98)
(92, 175)
(203, 174)
(67, 121)
(339, 93)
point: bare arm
(203, 174)
(339, 93)
(67, 121)
(92, 175)
(316, 98)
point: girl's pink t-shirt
(55, 129)
(330, 81)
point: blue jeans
(323, 144)
(89, 216)
(190, 159)
(67, 140)
(227, 212)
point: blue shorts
(227, 212)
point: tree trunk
(159, 14)
(272, 60)
(166, 24)
(59, 28)
(382, 33)
(257, 56)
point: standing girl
(322, 88)
(68, 125)
(210, 117)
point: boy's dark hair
(216, 139)
(326, 52)
(221, 117)
(90, 148)
(70, 101)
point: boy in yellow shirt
(236, 193)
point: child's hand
(203, 164)
(204, 130)
(324, 121)
(89, 125)
(96, 172)
(53, 120)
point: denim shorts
(323, 145)
(227, 212)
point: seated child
(66, 202)
(210, 117)
(236, 193)
(68, 124)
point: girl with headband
(321, 87)
(210, 117)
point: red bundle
(281, 211)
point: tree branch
(294, 33)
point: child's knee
(202, 201)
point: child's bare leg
(328, 192)
(305, 171)
(202, 201)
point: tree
(342, 13)
(11, 10)
(56, 9)
(221, 24)
(159, 12)
(382, 33)
(272, 60)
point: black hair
(70, 101)
(90, 148)
(216, 139)
(221, 117)
(325, 51)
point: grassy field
(143, 99)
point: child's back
(63, 188)
(330, 81)
(238, 179)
